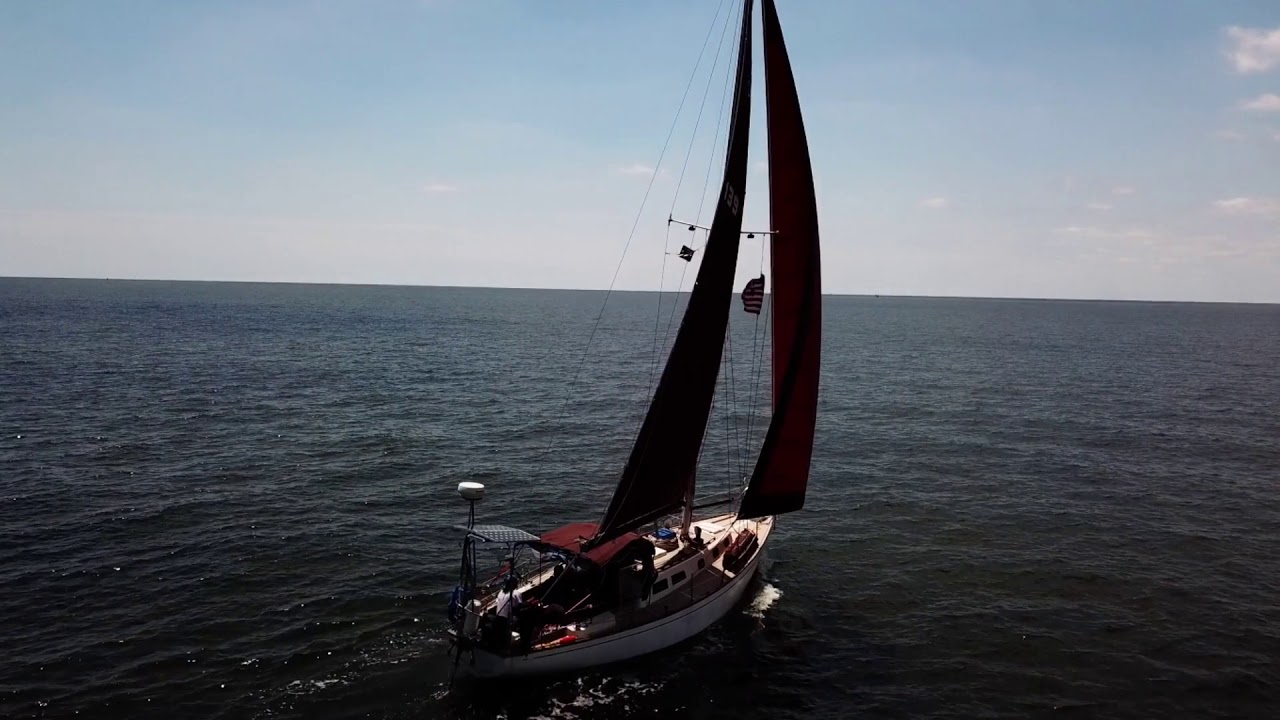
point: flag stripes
(753, 295)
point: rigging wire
(729, 74)
(715, 140)
(675, 197)
(706, 92)
(706, 183)
(727, 394)
(759, 340)
(738, 448)
(666, 242)
(635, 224)
(734, 47)
(731, 450)
(657, 318)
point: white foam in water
(595, 697)
(301, 687)
(763, 600)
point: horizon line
(627, 290)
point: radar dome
(471, 490)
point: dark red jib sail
(664, 458)
(782, 471)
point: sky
(998, 148)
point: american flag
(753, 295)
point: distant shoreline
(867, 295)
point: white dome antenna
(472, 492)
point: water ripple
(231, 501)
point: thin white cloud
(1266, 102)
(935, 203)
(1182, 249)
(1123, 190)
(1261, 135)
(436, 188)
(1248, 206)
(639, 169)
(1254, 50)
(1163, 247)
(1102, 207)
(219, 247)
(1094, 232)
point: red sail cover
(665, 455)
(782, 470)
(571, 538)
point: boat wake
(596, 695)
(763, 600)
(353, 676)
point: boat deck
(704, 566)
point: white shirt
(506, 602)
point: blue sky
(991, 147)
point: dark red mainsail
(781, 474)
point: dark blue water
(236, 501)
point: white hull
(651, 637)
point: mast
(780, 478)
(659, 475)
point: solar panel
(500, 533)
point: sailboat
(593, 593)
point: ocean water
(236, 501)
